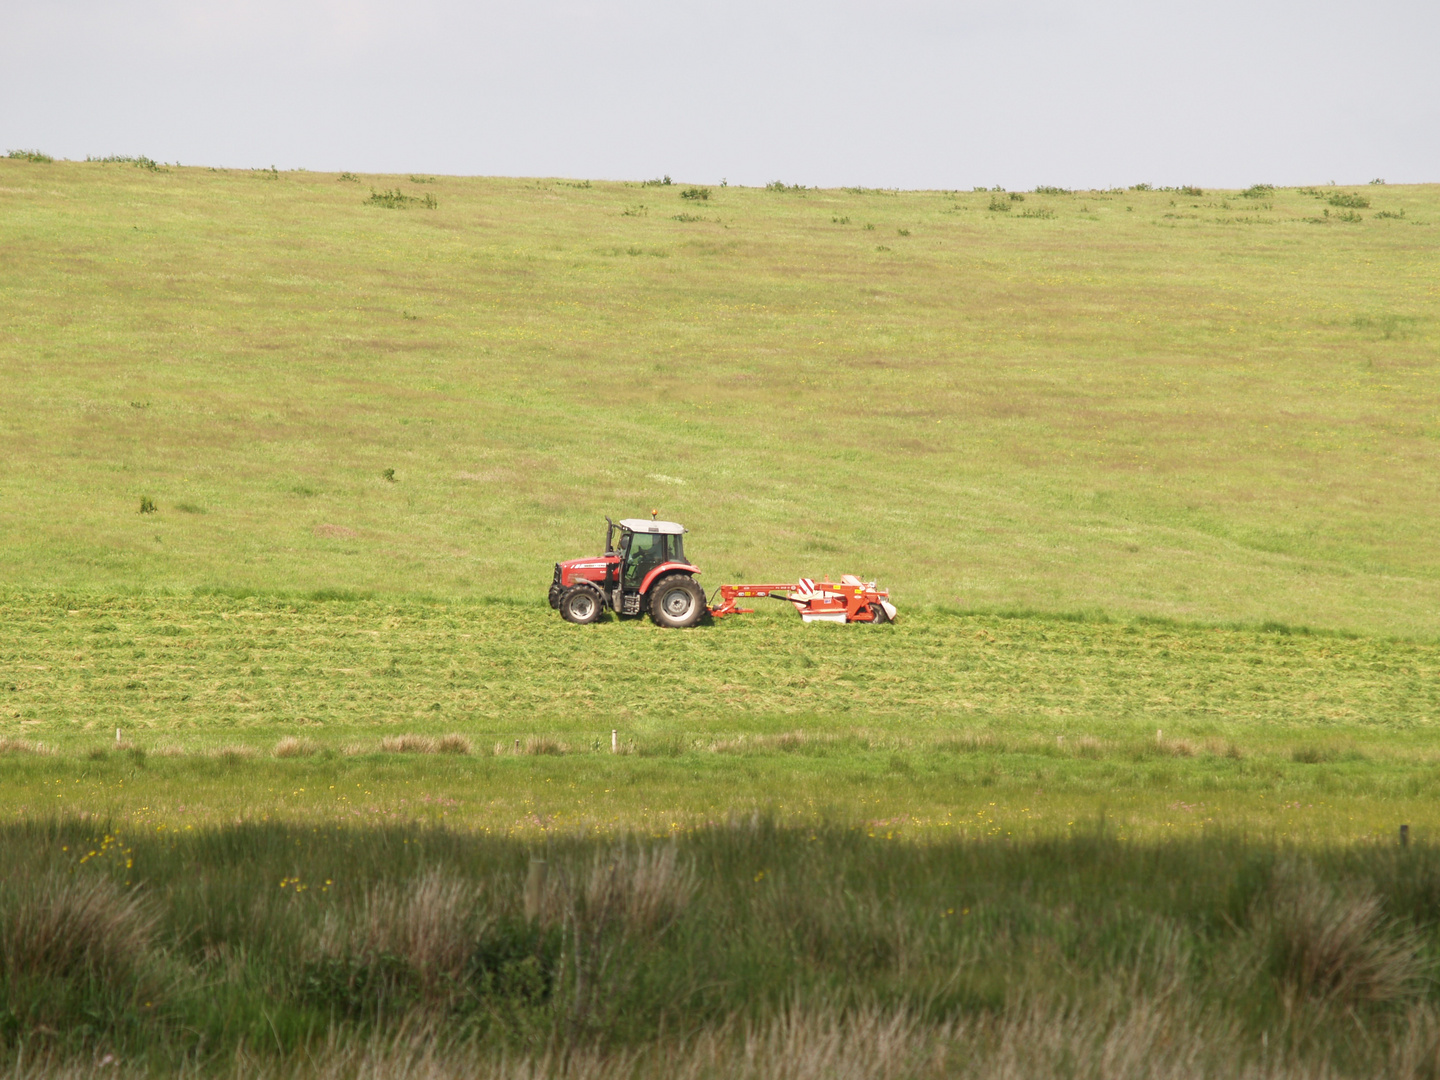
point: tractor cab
(643, 568)
(644, 545)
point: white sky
(909, 93)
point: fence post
(535, 888)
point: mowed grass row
(500, 717)
(219, 668)
(1213, 407)
(749, 949)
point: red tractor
(643, 570)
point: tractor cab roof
(644, 525)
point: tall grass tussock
(746, 949)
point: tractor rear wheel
(677, 601)
(580, 605)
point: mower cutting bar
(848, 600)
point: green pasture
(1151, 475)
(1217, 407)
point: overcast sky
(905, 93)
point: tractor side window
(647, 551)
(677, 548)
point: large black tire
(677, 601)
(878, 614)
(580, 605)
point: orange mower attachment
(848, 600)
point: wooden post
(614, 741)
(1404, 835)
(117, 734)
(535, 889)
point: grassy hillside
(1216, 407)
(277, 751)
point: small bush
(902, 232)
(29, 155)
(141, 162)
(1335, 944)
(839, 221)
(1141, 187)
(1378, 181)
(1045, 189)
(778, 185)
(1191, 190)
(1016, 196)
(233, 755)
(1391, 214)
(453, 743)
(1349, 215)
(1258, 191)
(1037, 212)
(422, 179)
(73, 928)
(664, 181)
(395, 199)
(1349, 201)
(388, 474)
(293, 746)
(1000, 205)
(696, 193)
(687, 217)
(348, 178)
(147, 505)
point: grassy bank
(729, 951)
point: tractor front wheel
(677, 601)
(580, 605)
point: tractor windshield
(647, 551)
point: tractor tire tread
(667, 584)
(584, 615)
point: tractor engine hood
(592, 569)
